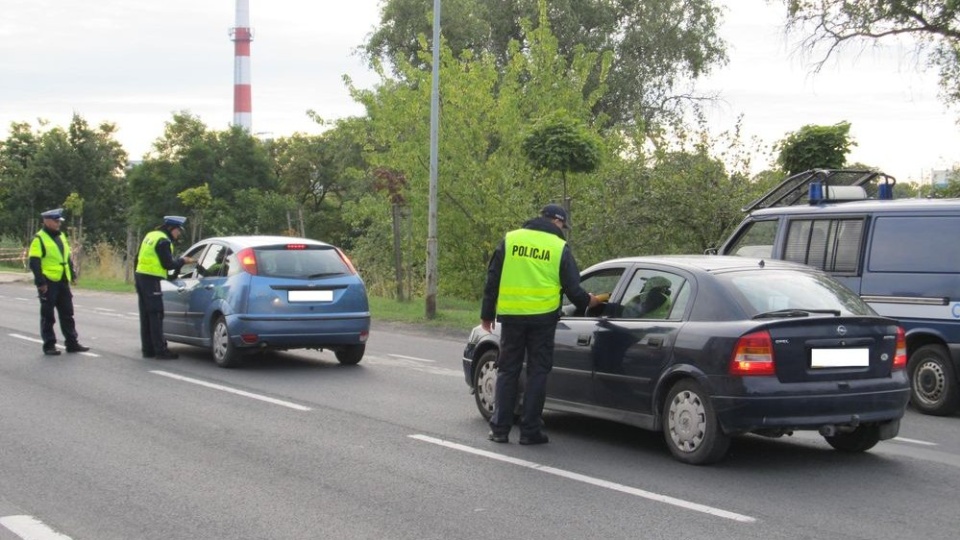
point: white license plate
(834, 358)
(309, 296)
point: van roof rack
(826, 185)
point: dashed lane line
(30, 528)
(687, 505)
(61, 347)
(235, 391)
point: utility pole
(431, 301)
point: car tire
(224, 353)
(351, 354)
(690, 425)
(860, 439)
(933, 383)
(485, 382)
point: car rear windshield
(772, 290)
(304, 262)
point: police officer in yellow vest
(53, 272)
(153, 264)
(527, 274)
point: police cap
(56, 213)
(555, 211)
(174, 221)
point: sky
(136, 63)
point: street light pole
(431, 301)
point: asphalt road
(106, 445)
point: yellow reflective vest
(148, 262)
(530, 279)
(54, 264)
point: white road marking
(413, 358)
(416, 364)
(232, 390)
(914, 441)
(30, 528)
(40, 341)
(589, 480)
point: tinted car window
(213, 263)
(832, 245)
(300, 263)
(926, 252)
(601, 282)
(652, 295)
(760, 292)
(756, 241)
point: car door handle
(181, 290)
(583, 340)
(208, 287)
(655, 342)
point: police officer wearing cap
(53, 271)
(153, 264)
(528, 272)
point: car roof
(873, 205)
(260, 241)
(709, 263)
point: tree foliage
(40, 169)
(657, 45)
(815, 147)
(830, 25)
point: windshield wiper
(795, 312)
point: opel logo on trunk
(842, 330)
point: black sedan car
(707, 347)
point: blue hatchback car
(248, 294)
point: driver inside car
(653, 301)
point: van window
(913, 244)
(756, 240)
(832, 245)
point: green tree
(486, 184)
(658, 45)
(829, 25)
(187, 156)
(560, 144)
(40, 168)
(198, 200)
(815, 147)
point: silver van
(900, 255)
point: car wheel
(860, 439)
(351, 354)
(933, 384)
(690, 425)
(224, 353)
(485, 382)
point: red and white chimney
(242, 36)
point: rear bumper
(823, 404)
(299, 332)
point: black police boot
(52, 350)
(76, 347)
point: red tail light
(900, 357)
(248, 261)
(753, 355)
(346, 261)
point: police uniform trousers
(57, 301)
(150, 304)
(535, 342)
